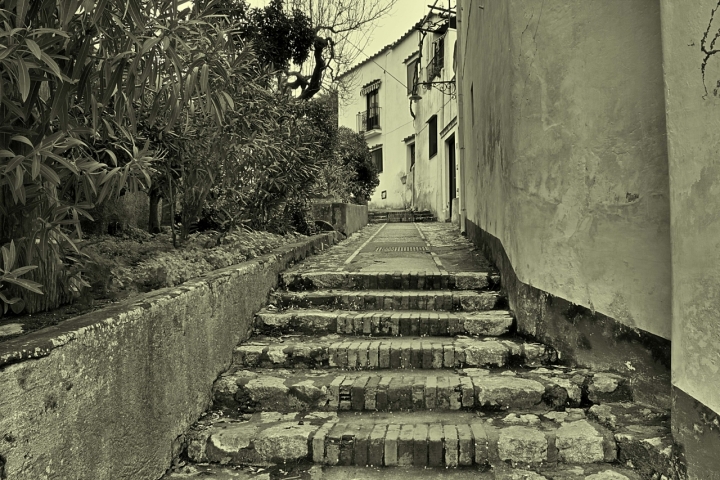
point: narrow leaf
(34, 48)
(23, 79)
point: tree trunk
(154, 220)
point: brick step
(420, 439)
(383, 353)
(406, 280)
(307, 470)
(458, 300)
(400, 217)
(249, 391)
(384, 323)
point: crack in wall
(709, 50)
(537, 26)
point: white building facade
(404, 103)
(380, 110)
(433, 176)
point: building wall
(566, 157)
(693, 138)
(395, 120)
(431, 175)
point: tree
(350, 174)
(334, 21)
(313, 34)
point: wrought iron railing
(435, 65)
(368, 120)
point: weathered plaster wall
(395, 119)
(345, 217)
(693, 137)
(431, 176)
(107, 395)
(565, 152)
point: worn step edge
(380, 353)
(385, 323)
(400, 442)
(458, 300)
(403, 280)
(245, 391)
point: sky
(403, 16)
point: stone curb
(403, 280)
(383, 323)
(41, 343)
(379, 353)
(464, 300)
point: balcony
(368, 120)
(435, 65)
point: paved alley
(395, 349)
(400, 247)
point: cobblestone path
(393, 355)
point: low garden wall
(344, 217)
(108, 395)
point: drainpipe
(461, 118)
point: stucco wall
(693, 137)
(693, 128)
(431, 175)
(565, 153)
(106, 395)
(395, 119)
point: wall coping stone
(41, 343)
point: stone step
(428, 439)
(249, 391)
(404, 280)
(400, 216)
(306, 470)
(458, 300)
(384, 323)
(383, 353)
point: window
(433, 133)
(412, 76)
(373, 111)
(437, 62)
(440, 53)
(369, 119)
(411, 154)
(377, 158)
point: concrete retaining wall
(344, 217)
(108, 395)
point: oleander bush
(109, 107)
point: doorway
(452, 174)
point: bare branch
(335, 22)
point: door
(452, 174)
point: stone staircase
(423, 371)
(399, 216)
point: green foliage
(353, 155)
(268, 184)
(10, 275)
(278, 35)
(102, 100)
(81, 84)
(200, 255)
